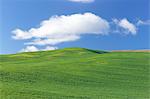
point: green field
(75, 73)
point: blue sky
(27, 14)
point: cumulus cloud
(82, 1)
(34, 49)
(54, 41)
(141, 22)
(67, 28)
(30, 49)
(19, 34)
(49, 48)
(58, 29)
(126, 25)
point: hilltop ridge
(66, 50)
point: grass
(75, 73)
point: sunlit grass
(75, 73)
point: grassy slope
(75, 73)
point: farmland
(75, 73)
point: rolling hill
(75, 73)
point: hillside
(75, 73)
(146, 50)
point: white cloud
(82, 1)
(49, 48)
(19, 34)
(30, 49)
(54, 41)
(34, 49)
(126, 25)
(67, 28)
(63, 28)
(140, 22)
